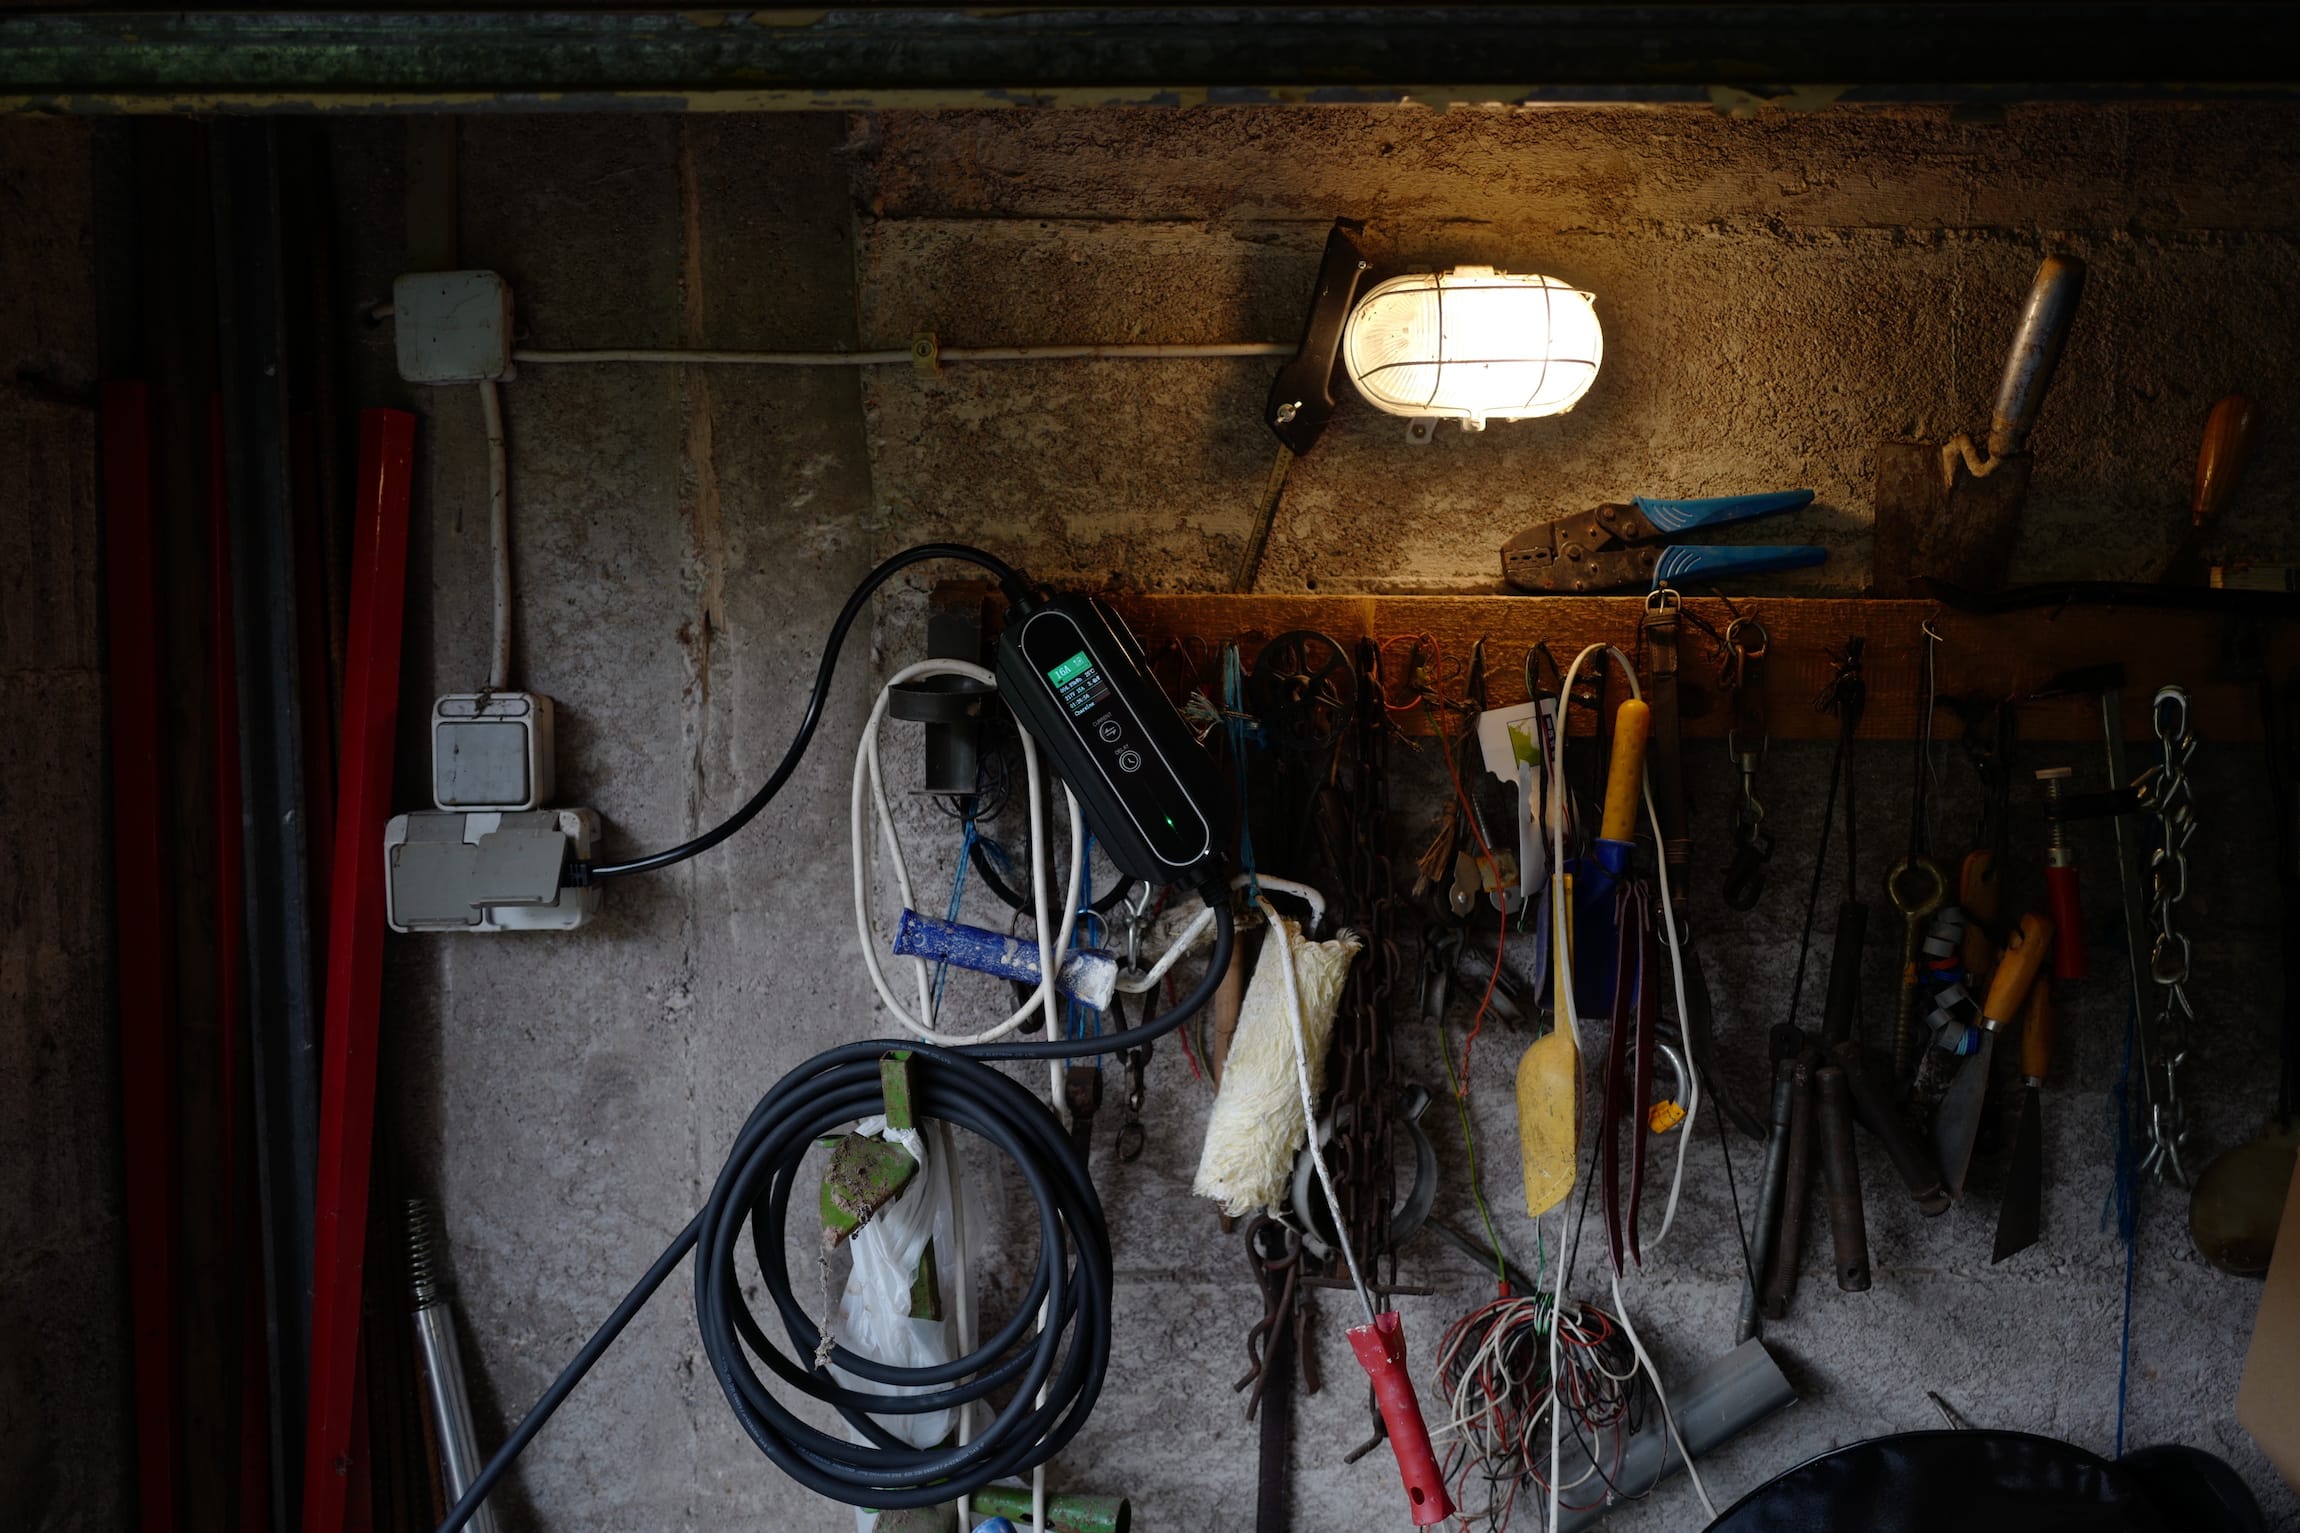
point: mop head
(1257, 1127)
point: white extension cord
(1559, 923)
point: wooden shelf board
(2002, 655)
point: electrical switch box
(452, 326)
(492, 750)
(487, 872)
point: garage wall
(65, 1442)
(1780, 293)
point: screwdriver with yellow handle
(1549, 1076)
(1959, 1119)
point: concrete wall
(1778, 296)
(65, 1444)
(1779, 293)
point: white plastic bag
(874, 1312)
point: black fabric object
(2195, 1489)
(1925, 1482)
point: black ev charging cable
(836, 1087)
(1019, 594)
(1073, 1274)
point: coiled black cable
(884, 1471)
(1069, 1355)
(842, 1084)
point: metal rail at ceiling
(410, 59)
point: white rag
(1257, 1127)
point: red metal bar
(144, 926)
(355, 956)
(243, 1258)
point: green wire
(1469, 1146)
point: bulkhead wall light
(1470, 344)
(1473, 344)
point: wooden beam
(2003, 655)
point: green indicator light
(1169, 822)
(1069, 668)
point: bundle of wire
(1053, 1353)
(1569, 1018)
(1493, 1367)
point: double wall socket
(487, 872)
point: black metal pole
(282, 998)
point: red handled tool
(2068, 954)
(1381, 1348)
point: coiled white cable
(1560, 926)
(870, 792)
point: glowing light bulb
(1473, 344)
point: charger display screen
(1079, 683)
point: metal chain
(1360, 1150)
(2165, 793)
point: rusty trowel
(1951, 510)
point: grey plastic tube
(1726, 1397)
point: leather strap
(1648, 1018)
(1665, 765)
(1662, 755)
(1628, 985)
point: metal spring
(423, 1277)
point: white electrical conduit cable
(498, 532)
(1560, 924)
(893, 356)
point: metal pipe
(1787, 1258)
(1768, 1195)
(1730, 1395)
(1841, 1176)
(441, 1365)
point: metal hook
(2172, 700)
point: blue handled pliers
(1615, 545)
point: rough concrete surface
(1779, 294)
(65, 1443)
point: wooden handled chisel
(1959, 1120)
(2022, 1210)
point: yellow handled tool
(1625, 779)
(1959, 1117)
(1549, 1076)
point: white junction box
(487, 872)
(452, 326)
(491, 750)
